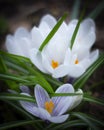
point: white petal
(93, 56)
(12, 46)
(61, 71)
(25, 89)
(47, 65)
(58, 119)
(36, 58)
(76, 99)
(67, 59)
(21, 32)
(37, 37)
(50, 20)
(30, 107)
(76, 70)
(41, 96)
(62, 103)
(71, 28)
(44, 29)
(25, 46)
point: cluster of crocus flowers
(52, 109)
(56, 58)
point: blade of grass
(66, 125)
(75, 10)
(18, 108)
(94, 14)
(15, 97)
(85, 118)
(89, 98)
(18, 123)
(92, 119)
(53, 31)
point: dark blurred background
(27, 13)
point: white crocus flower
(52, 109)
(81, 57)
(52, 58)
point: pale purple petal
(62, 103)
(43, 114)
(30, 107)
(41, 96)
(25, 89)
(58, 119)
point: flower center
(54, 64)
(49, 106)
(76, 61)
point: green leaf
(86, 119)
(77, 27)
(13, 78)
(89, 98)
(94, 14)
(66, 125)
(79, 83)
(18, 108)
(18, 123)
(53, 31)
(75, 11)
(65, 94)
(15, 97)
(89, 119)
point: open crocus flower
(52, 109)
(81, 57)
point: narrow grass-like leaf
(77, 27)
(18, 108)
(85, 118)
(90, 118)
(79, 83)
(53, 31)
(15, 97)
(17, 57)
(65, 94)
(12, 77)
(16, 67)
(66, 125)
(94, 14)
(96, 84)
(18, 123)
(75, 11)
(89, 98)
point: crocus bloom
(56, 58)
(51, 59)
(52, 109)
(81, 55)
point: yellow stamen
(54, 64)
(49, 106)
(76, 61)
